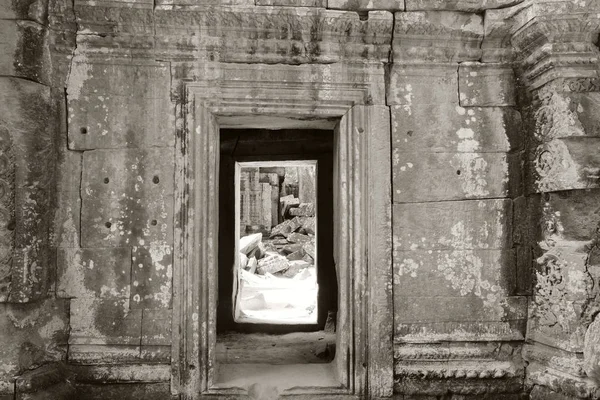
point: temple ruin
(151, 171)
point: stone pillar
(455, 160)
(559, 216)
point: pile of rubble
(289, 249)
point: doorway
(255, 163)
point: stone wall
(495, 164)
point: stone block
(114, 106)
(156, 327)
(458, 5)
(146, 391)
(32, 335)
(67, 220)
(69, 171)
(25, 50)
(101, 354)
(291, 3)
(486, 85)
(584, 106)
(564, 164)
(453, 225)
(574, 214)
(104, 322)
(364, 5)
(155, 354)
(127, 197)
(450, 128)
(414, 85)
(421, 177)
(437, 36)
(94, 273)
(152, 277)
(458, 309)
(487, 274)
(24, 10)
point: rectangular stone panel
(456, 309)
(418, 85)
(358, 5)
(156, 327)
(447, 127)
(104, 322)
(458, 5)
(486, 274)
(90, 354)
(24, 50)
(151, 275)
(421, 177)
(452, 225)
(94, 273)
(423, 319)
(486, 85)
(118, 106)
(127, 197)
(437, 36)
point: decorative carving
(251, 35)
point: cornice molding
(236, 34)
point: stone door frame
(257, 96)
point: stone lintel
(437, 36)
(238, 34)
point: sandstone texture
(466, 191)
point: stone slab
(94, 273)
(114, 106)
(487, 274)
(450, 128)
(453, 225)
(416, 85)
(419, 177)
(127, 197)
(291, 3)
(90, 354)
(363, 5)
(155, 354)
(564, 164)
(151, 275)
(576, 213)
(458, 5)
(437, 36)
(458, 309)
(66, 224)
(104, 322)
(156, 327)
(25, 50)
(486, 85)
(32, 335)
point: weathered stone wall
(495, 166)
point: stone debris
(298, 238)
(288, 250)
(303, 210)
(248, 243)
(272, 264)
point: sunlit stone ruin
(299, 199)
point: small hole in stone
(153, 222)
(360, 130)
(409, 133)
(11, 225)
(363, 15)
(458, 172)
(83, 130)
(155, 179)
(192, 367)
(106, 180)
(108, 224)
